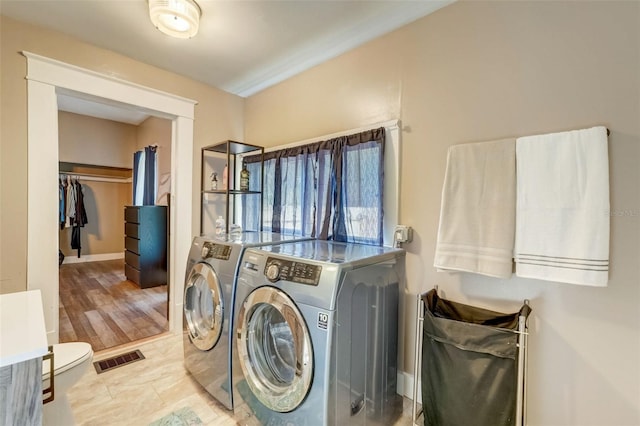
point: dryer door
(203, 306)
(275, 350)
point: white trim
(46, 78)
(405, 385)
(51, 71)
(391, 207)
(181, 207)
(42, 200)
(93, 257)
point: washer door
(274, 349)
(203, 306)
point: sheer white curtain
(145, 172)
(138, 177)
(329, 190)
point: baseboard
(405, 385)
(93, 257)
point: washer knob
(273, 272)
(205, 252)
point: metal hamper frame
(521, 397)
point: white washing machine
(208, 307)
(317, 334)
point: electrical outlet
(403, 234)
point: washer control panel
(288, 270)
(216, 251)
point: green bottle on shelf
(244, 178)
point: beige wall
(95, 141)
(218, 116)
(88, 140)
(157, 131)
(477, 71)
(472, 71)
(104, 232)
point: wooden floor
(100, 306)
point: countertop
(23, 333)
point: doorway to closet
(46, 80)
(98, 304)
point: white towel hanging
(477, 217)
(562, 221)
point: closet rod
(97, 178)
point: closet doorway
(46, 79)
(98, 304)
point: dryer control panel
(217, 251)
(288, 270)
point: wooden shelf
(94, 172)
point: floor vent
(118, 361)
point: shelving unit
(214, 157)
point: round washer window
(275, 349)
(203, 306)
(271, 346)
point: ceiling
(242, 47)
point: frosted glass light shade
(177, 18)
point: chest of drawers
(145, 244)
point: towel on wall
(477, 215)
(562, 220)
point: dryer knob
(205, 252)
(273, 272)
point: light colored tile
(147, 390)
(175, 388)
(209, 415)
(87, 398)
(127, 406)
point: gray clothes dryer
(208, 307)
(317, 334)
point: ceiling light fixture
(177, 18)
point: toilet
(71, 360)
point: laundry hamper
(472, 364)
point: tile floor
(145, 391)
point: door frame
(46, 78)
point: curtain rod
(388, 125)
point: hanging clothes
(62, 195)
(71, 203)
(80, 216)
(81, 212)
(75, 239)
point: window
(331, 189)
